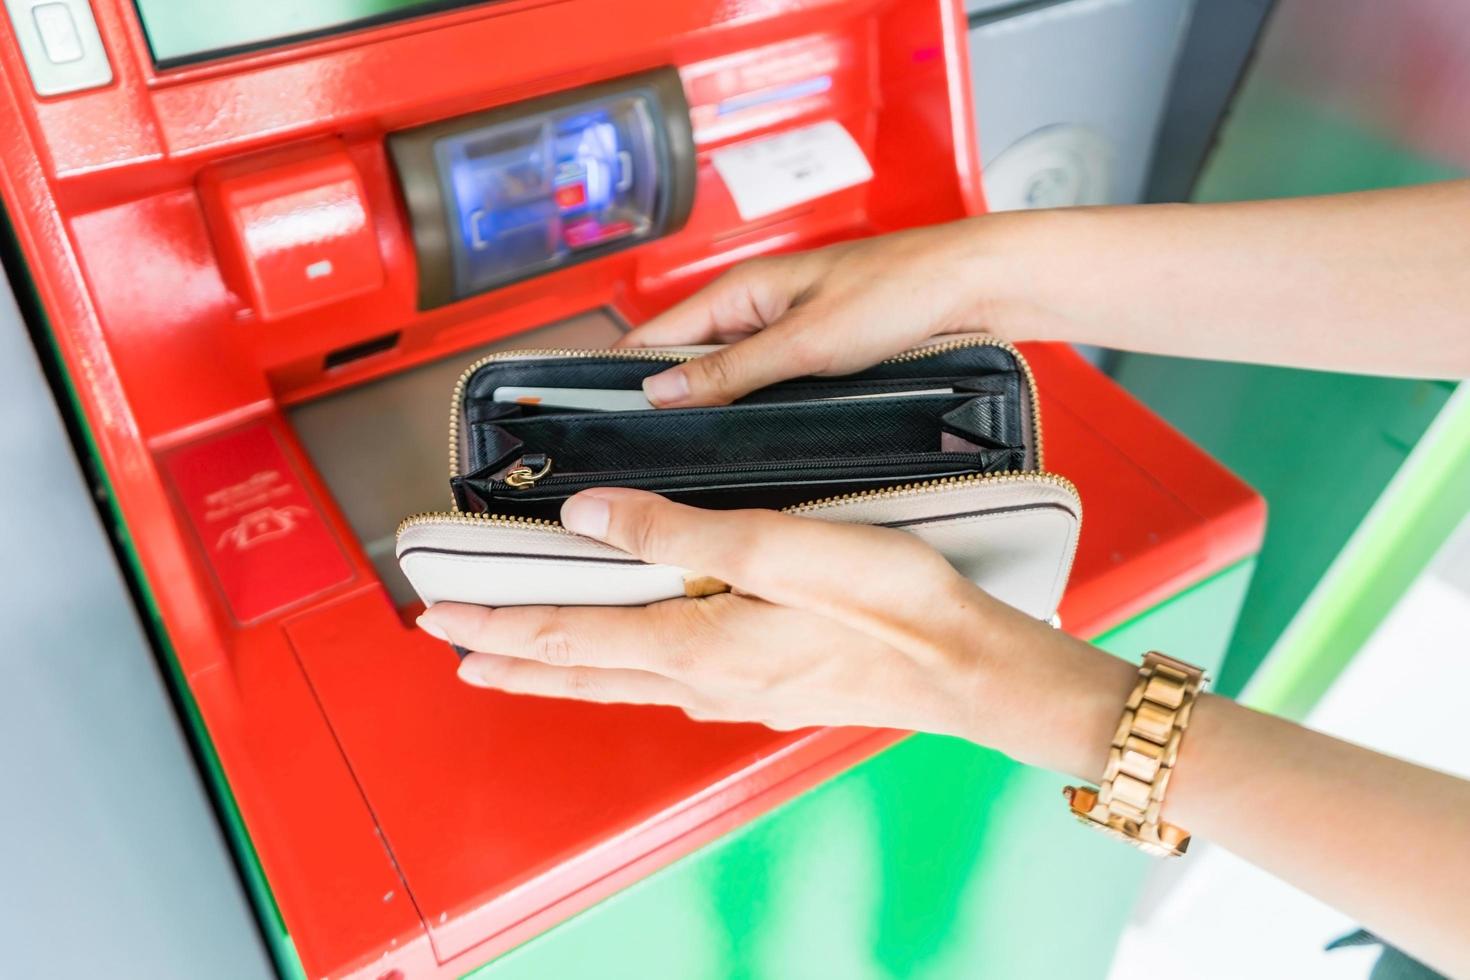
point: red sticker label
(263, 534)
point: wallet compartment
(852, 443)
(966, 413)
(769, 432)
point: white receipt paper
(772, 174)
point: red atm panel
(298, 234)
(403, 821)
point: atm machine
(257, 242)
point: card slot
(808, 389)
(982, 363)
(796, 404)
(485, 410)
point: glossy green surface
(1319, 447)
(1420, 509)
(934, 859)
(181, 30)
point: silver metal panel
(60, 44)
(114, 864)
(383, 447)
(1068, 97)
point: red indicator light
(571, 195)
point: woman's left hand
(828, 624)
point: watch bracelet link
(1141, 759)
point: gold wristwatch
(1145, 746)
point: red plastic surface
(298, 233)
(262, 534)
(402, 823)
(627, 780)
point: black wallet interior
(961, 410)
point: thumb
(851, 573)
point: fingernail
(586, 514)
(470, 674)
(668, 388)
(432, 628)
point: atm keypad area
(265, 260)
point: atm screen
(181, 31)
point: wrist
(1005, 264)
(1083, 699)
(1048, 699)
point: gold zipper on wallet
(457, 516)
(527, 471)
(806, 507)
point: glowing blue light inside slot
(501, 200)
(528, 195)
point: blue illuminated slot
(526, 195)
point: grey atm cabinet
(1069, 96)
(113, 862)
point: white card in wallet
(983, 501)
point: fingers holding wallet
(831, 624)
(846, 572)
(714, 658)
(516, 675)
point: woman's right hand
(1307, 282)
(826, 312)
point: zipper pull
(528, 470)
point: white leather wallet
(950, 452)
